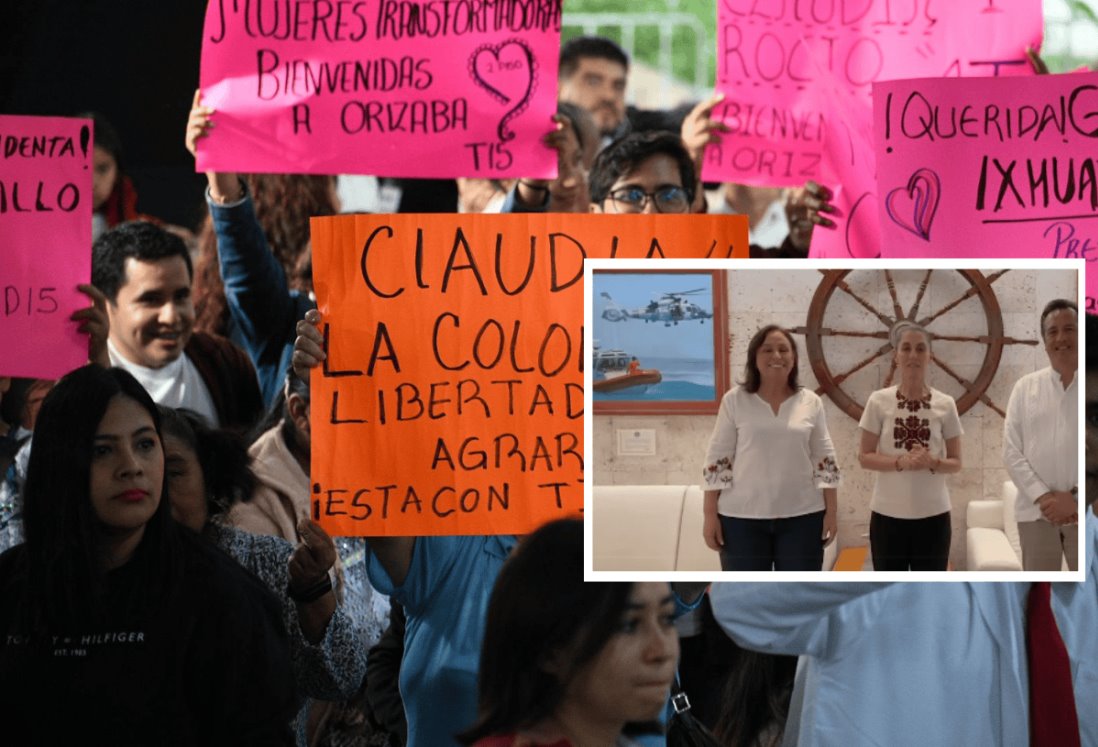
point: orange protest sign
(451, 400)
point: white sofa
(992, 533)
(654, 528)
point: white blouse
(899, 424)
(770, 466)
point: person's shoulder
(213, 575)
(243, 542)
(809, 397)
(937, 395)
(735, 394)
(1034, 378)
(206, 345)
(882, 397)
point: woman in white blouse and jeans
(770, 473)
(911, 436)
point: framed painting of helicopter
(660, 342)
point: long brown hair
(283, 205)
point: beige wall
(758, 297)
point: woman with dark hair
(144, 633)
(770, 474)
(114, 197)
(911, 437)
(566, 662)
(209, 471)
(755, 699)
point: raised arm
(256, 290)
(794, 618)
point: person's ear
(299, 413)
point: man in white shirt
(1040, 446)
(922, 663)
(914, 663)
(146, 274)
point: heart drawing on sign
(508, 72)
(922, 191)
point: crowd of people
(162, 582)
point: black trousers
(910, 544)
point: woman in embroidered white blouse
(770, 474)
(911, 436)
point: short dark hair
(585, 47)
(1057, 304)
(540, 607)
(627, 153)
(752, 378)
(138, 239)
(66, 576)
(222, 455)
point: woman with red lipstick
(771, 480)
(911, 437)
(566, 663)
(144, 633)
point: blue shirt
(263, 310)
(445, 597)
(914, 663)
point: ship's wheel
(958, 307)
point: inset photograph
(914, 420)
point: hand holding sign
(95, 323)
(308, 345)
(199, 123)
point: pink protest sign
(989, 168)
(45, 243)
(408, 88)
(772, 55)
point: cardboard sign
(451, 401)
(797, 77)
(989, 168)
(45, 243)
(407, 88)
(770, 56)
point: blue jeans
(791, 544)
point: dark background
(135, 61)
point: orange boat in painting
(640, 377)
(613, 368)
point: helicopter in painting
(669, 308)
